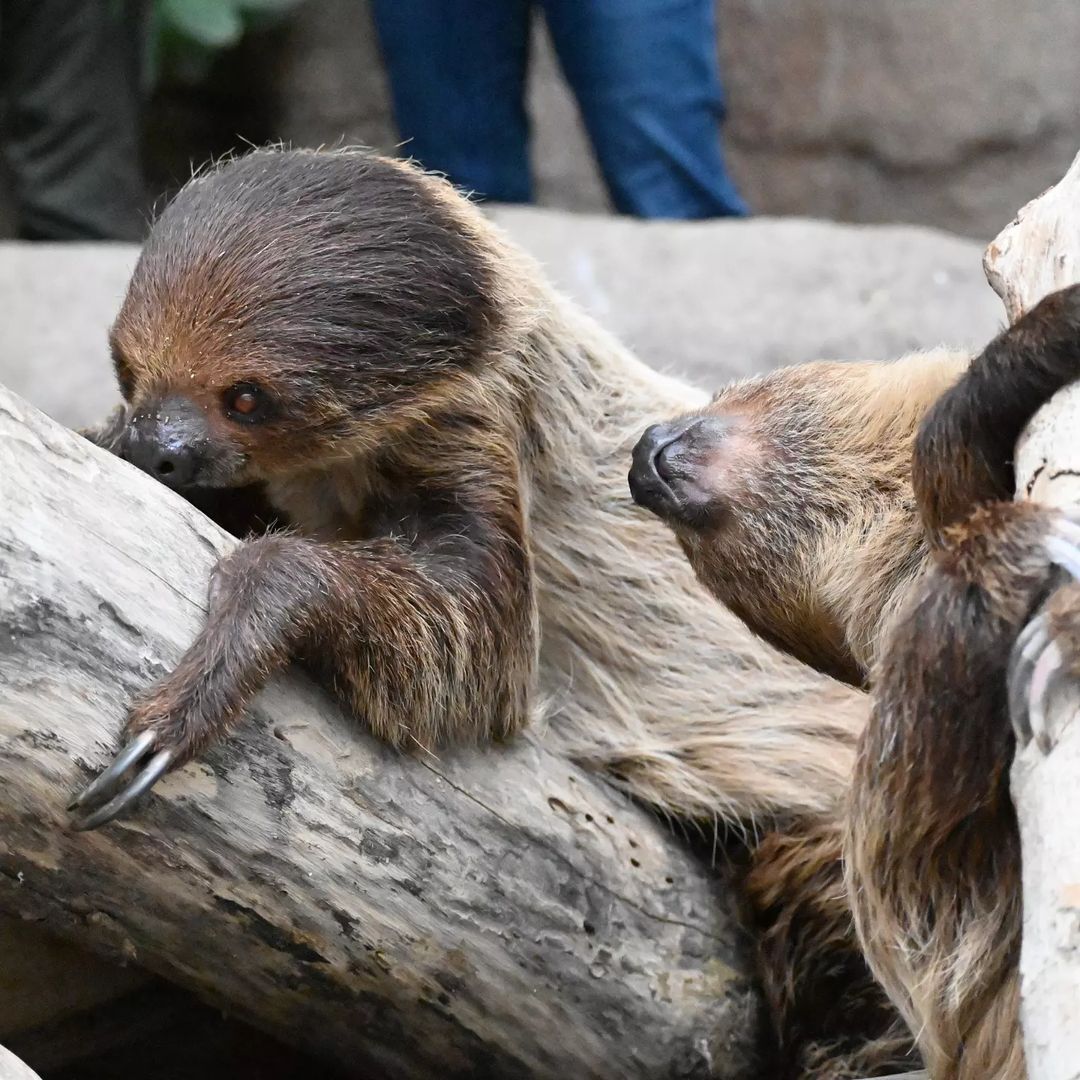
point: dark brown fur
(918, 581)
(443, 435)
(414, 562)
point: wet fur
(449, 455)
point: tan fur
(646, 679)
(640, 676)
(868, 529)
(823, 534)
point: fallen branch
(495, 912)
(1038, 253)
(11, 1068)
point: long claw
(1029, 646)
(127, 757)
(1063, 547)
(1043, 682)
(142, 783)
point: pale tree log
(494, 913)
(11, 1068)
(1036, 254)
(1039, 251)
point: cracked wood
(494, 913)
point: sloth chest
(331, 504)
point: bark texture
(1036, 254)
(494, 913)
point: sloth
(859, 517)
(339, 357)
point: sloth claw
(1038, 667)
(107, 796)
(1045, 679)
(1026, 652)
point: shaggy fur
(866, 500)
(446, 437)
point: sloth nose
(168, 443)
(650, 469)
(652, 452)
(173, 463)
(667, 454)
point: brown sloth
(341, 344)
(860, 517)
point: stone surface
(713, 301)
(717, 300)
(59, 301)
(938, 113)
(948, 113)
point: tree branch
(494, 912)
(1037, 254)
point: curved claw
(1043, 682)
(1029, 645)
(1037, 662)
(142, 783)
(1064, 548)
(102, 786)
(109, 793)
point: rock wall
(938, 112)
(945, 112)
(950, 113)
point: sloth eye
(247, 403)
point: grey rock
(712, 301)
(718, 300)
(951, 113)
(944, 112)
(60, 300)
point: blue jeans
(645, 73)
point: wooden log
(11, 1068)
(1038, 253)
(495, 912)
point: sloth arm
(964, 450)
(940, 738)
(427, 633)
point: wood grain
(1036, 254)
(490, 913)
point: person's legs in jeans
(457, 78)
(69, 78)
(646, 75)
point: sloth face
(290, 304)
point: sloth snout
(668, 464)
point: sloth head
(290, 305)
(791, 495)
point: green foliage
(187, 35)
